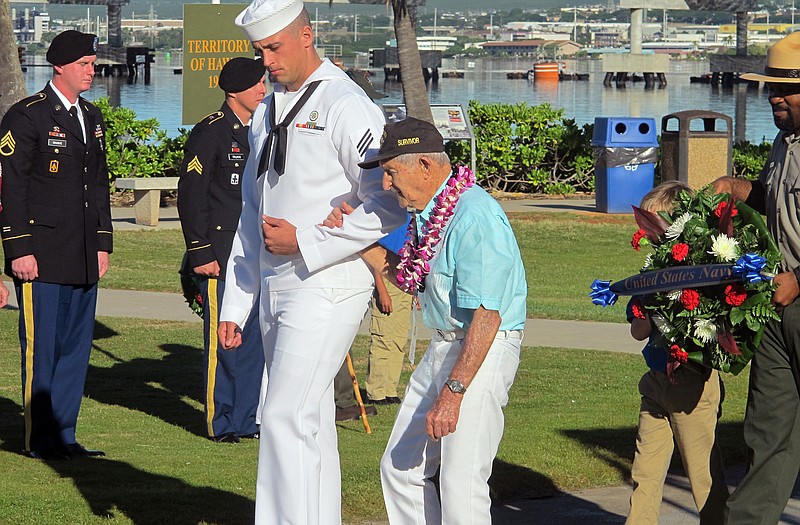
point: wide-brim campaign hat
(410, 135)
(264, 18)
(783, 62)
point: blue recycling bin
(625, 152)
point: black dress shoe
(254, 435)
(353, 413)
(49, 454)
(76, 449)
(228, 437)
(387, 401)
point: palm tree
(415, 94)
(12, 84)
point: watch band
(455, 386)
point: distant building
(435, 43)
(29, 25)
(605, 39)
(533, 47)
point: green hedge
(520, 148)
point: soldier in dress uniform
(209, 203)
(57, 235)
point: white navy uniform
(311, 303)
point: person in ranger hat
(307, 140)
(57, 235)
(209, 204)
(772, 419)
(461, 258)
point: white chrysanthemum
(674, 295)
(676, 228)
(648, 261)
(724, 248)
(705, 330)
(666, 329)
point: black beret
(69, 46)
(240, 74)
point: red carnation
(678, 353)
(721, 206)
(680, 251)
(735, 294)
(636, 238)
(638, 309)
(690, 299)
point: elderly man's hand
(335, 218)
(443, 417)
(280, 236)
(788, 289)
(3, 294)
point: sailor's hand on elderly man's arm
(280, 236)
(335, 218)
(442, 419)
(230, 335)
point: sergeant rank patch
(195, 165)
(7, 145)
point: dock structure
(387, 59)
(654, 67)
(114, 16)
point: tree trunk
(415, 94)
(12, 84)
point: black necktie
(73, 112)
(278, 133)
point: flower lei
(414, 260)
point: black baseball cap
(70, 46)
(240, 74)
(406, 136)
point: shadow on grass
(540, 501)
(157, 387)
(112, 487)
(616, 446)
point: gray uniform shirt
(781, 180)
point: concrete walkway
(586, 507)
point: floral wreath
(719, 325)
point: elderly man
(463, 261)
(772, 419)
(56, 228)
(306, 139)
(209, 204)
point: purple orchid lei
(414, 265)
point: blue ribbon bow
(748, 268)
(601, 294)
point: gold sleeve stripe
(199, 247)
(17, 237)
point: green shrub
(139, 148)
(748, 159)
(528, 148)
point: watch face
(455, 386)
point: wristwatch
(455, 386)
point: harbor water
(485, 80)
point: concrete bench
(147, 196)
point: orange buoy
(546, 71)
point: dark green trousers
(343, 392)
(771, 425)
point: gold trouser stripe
(212, 353)
(27, 305)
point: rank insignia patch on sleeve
(7, 144)
(195, 165)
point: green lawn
(570, 424)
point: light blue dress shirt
(476, 263)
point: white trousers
(307, 333)
(464, 457)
